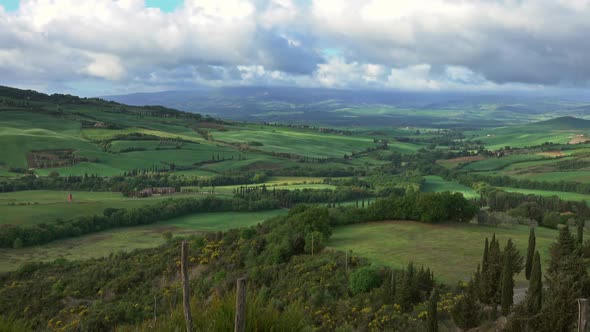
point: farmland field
(451, 250)
(126, 239)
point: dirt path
(519, 294)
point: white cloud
(407, 44)
(105, 66)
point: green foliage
(550, 220)
(507, 287)
(534, 298)
(8, 324)
(530, 253)
(364, 279)
(467, 312)
(432, 322)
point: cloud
(105, 66)
(402, 44)
(527, 41)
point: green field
(38, 206)
(126, 239)
(452, 251)
(437, 184)
(304, 142)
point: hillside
(357, 107)
(96, 197)
(563, 123)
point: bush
(364, 279)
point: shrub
(364, 279)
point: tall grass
(217, 314)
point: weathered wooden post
(186, 295)
(346, 261)
(240, 321)
(582, 310)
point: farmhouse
(156, 191)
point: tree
(432, 323)
(507, 287)
(562, 250)
(514, 257)
(491, 274)
(467, 312)
(560, 309)
(530, 253)
(534, 297)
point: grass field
(452, 251)
(37, 206)
(303, 142)
(127, 239)
(437, 184)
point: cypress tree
(492, 274)
(432, 323)
(530, 253)
(534, 299)
(507, 287)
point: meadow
(452, 251)
(126, 239)
(437, 184)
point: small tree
(530, 253)
(432, 323)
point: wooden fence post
(186, 295)
(582, 310)
(240, 322)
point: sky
(101, 47)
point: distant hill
(563, 123)
(358, 107)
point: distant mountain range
(363, 107)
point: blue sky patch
(9, 5)
(164, 5)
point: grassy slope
(451, 250)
